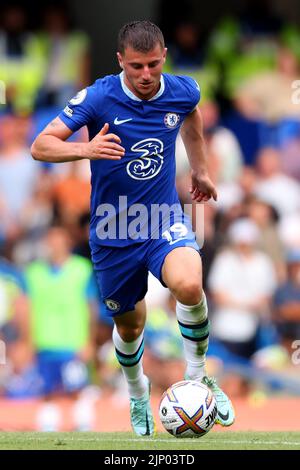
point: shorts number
(176, 233)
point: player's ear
(165, 55)
(120, 59)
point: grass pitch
(162, 441)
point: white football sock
(130, 357)
(194, 328)
(49, 417)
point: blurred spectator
(82, 247)
(14, 315)
(18, 171)
(18, 377)
(287, 302)
(37, 215)
(248, 180)
(259, 17)
(255, 55)
(241, 282)
(244, 45)
(290, 37)
(21, 60)
(186, 57)
(222, 143)
(61, 291)
(224, 158)
(186, 51)
(67, 61)
(71, 193)
(224, 155)
(267, 95)
(274, 187)
(291, 155)
(22, 379)
(224, 40)
(265, 217)
(289, 230)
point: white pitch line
(169, 441)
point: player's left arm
(202, 188)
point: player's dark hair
(142, 36)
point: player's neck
(151, 95)
(139, 95)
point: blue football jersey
(148, 130)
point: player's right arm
(50, 145)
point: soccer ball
(188, 409)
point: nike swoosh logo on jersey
(175, 241)
(225, 417)
(117, 122)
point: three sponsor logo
(150, 161)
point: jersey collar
(134, 97)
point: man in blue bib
(137, 224)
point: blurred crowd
(57, 338)
(43, 67)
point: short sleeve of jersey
(193, 91)
(81, 110)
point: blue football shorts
(61, 372)
(122, 272)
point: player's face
(142, 71)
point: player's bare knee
(130, 334)
(189, 293)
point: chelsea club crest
(112, 305)
(171, 120)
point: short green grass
(162, 441)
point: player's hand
(202, 188)
(104, 146)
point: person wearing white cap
(287, 302)
(242, 281)
(244, 232)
